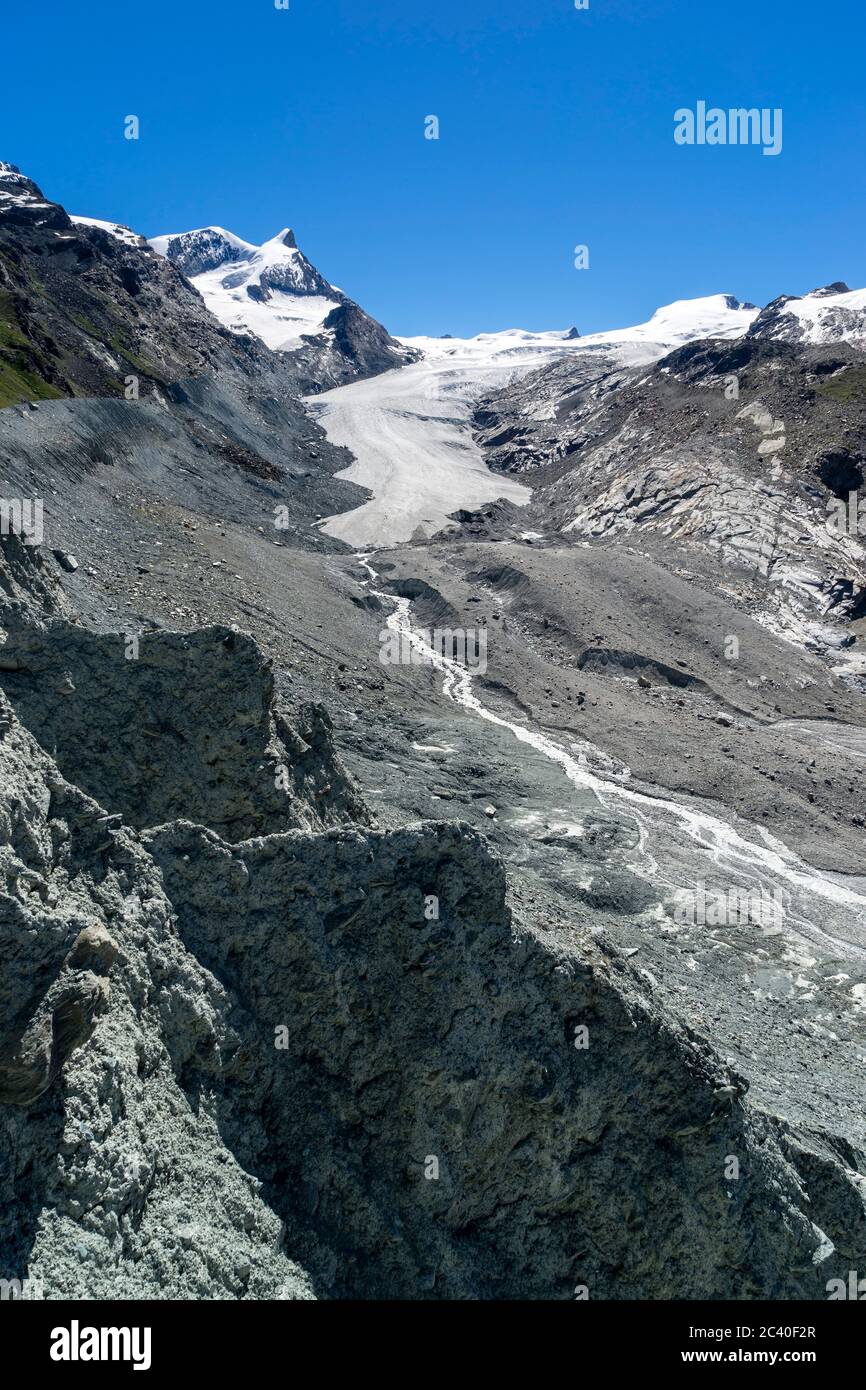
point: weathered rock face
(164, 724)
(350, 346)
(112, 1183)
(28, 585)
(57, 990)
(725, 455)
(444, 1109)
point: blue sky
(556, 129)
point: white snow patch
(115, 229)
(674, 325)
(279, 322)
(813, 309)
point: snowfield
(279, 323)
(817, 310)
(271, 290)
(115, 229)
(410, 429)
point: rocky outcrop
(114, 1183)
(164, 724)
(350, 346)
(832, 314)
(101, 311)
(726, 452)
(29, 589)
(520, 1120)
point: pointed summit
(275, 293)
(823, 291)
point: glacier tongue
(410, 431)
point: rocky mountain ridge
(829, 315)
(89, 308)
(738, 452)
(274, 292)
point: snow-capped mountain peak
(270, 290)
(832, 314)
(284, 238)
(675, 324)
(273, 292)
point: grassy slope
(21, 365)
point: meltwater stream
(819, 909)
